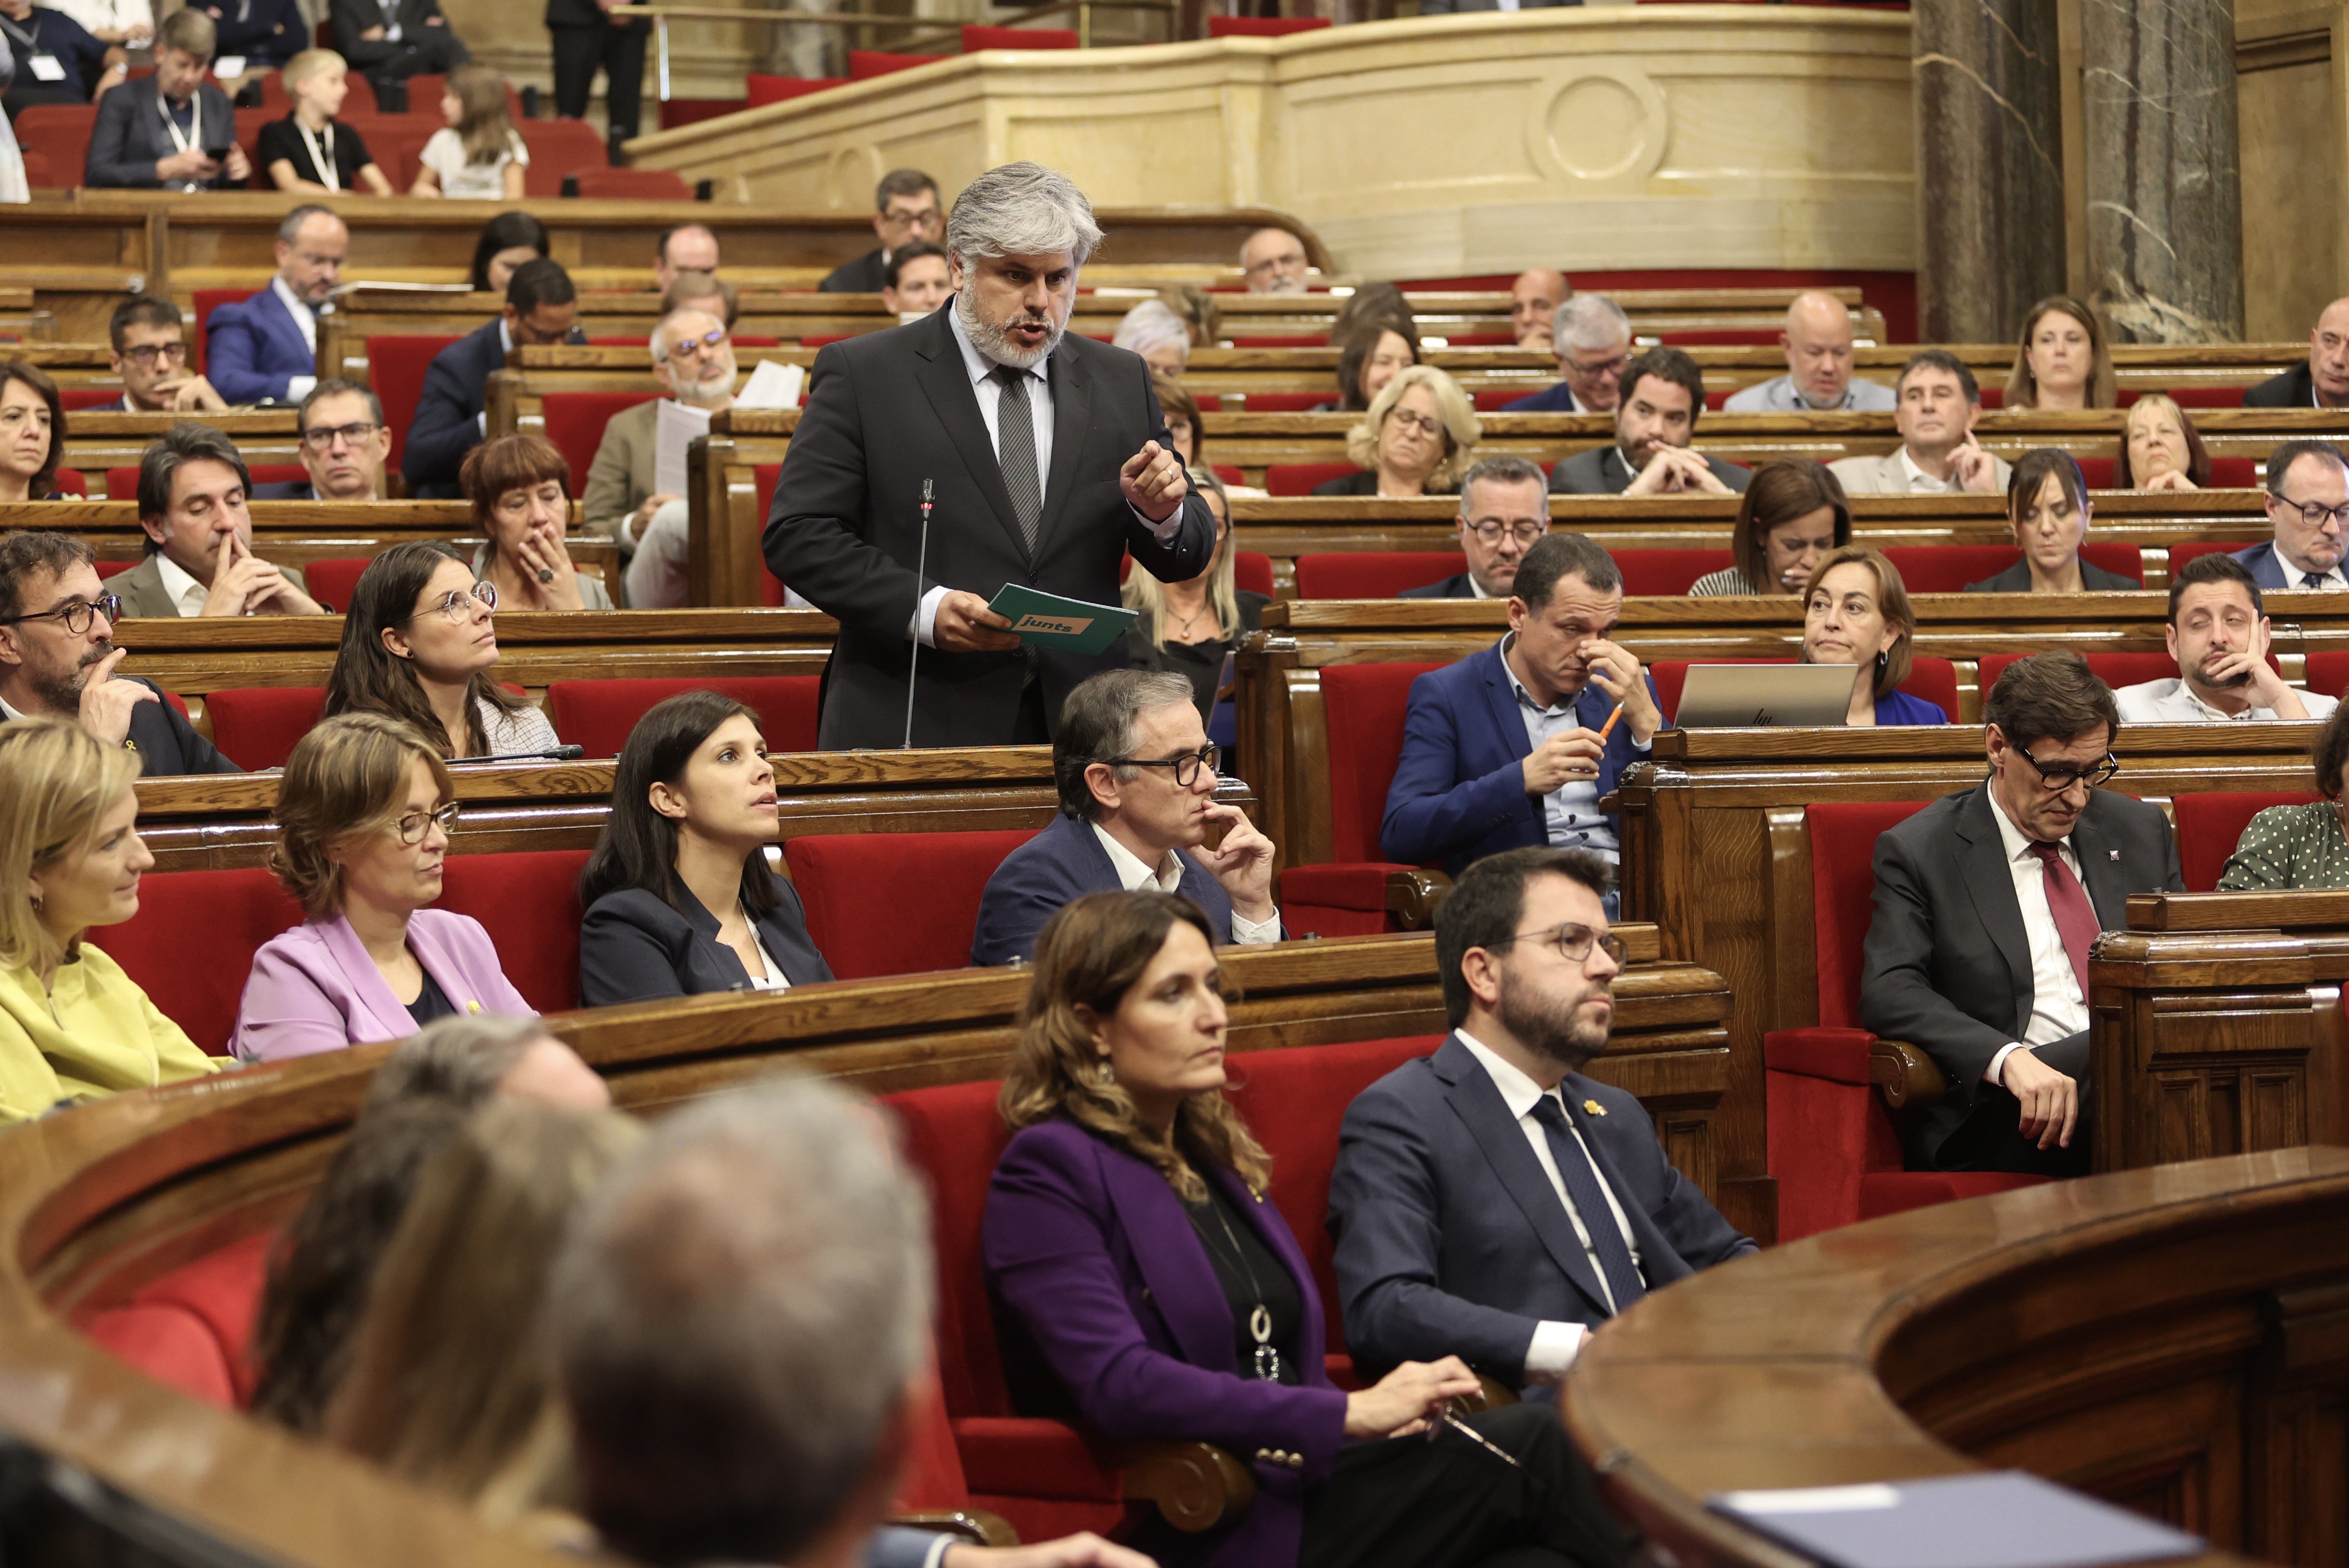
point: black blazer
(266, 32)
(129, 138)
(1947, 963)
(1459, 585)
(863, 275)
(166, 743)
(2016, 579)
(890, 409)
(350, 18)
(446, 424)
(2293, 390)
(635, 948)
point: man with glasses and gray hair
(1592, 339)
(345, 446)
(1137, 780)
(1503, 512)
(983, 445)
(57, 658)
(693, 359)
(1987, 902)
(2308, 506)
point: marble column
(1990, 167)
(2163, 187)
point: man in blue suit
(542, 309)
(2308, 505)
(1490, 1202)
(1505, 748)
(1137, 781)
(267, 345)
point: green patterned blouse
(2290, 846)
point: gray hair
(661, 339)
(1149, 324)
(1021, 209)
(1097, 723)
(462, 1060)
(1503, 468)
(335, 387)
(1590, 321)
(734, 1319)
(289, 228)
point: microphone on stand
(921, 563)
(550, 754)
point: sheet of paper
(1999, 1519)
(773, 384)
(675, 427)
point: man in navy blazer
(1504, 749)
(267, 345)
(2320, 381)
(1491, 1201)
(2308, 502)
(542, 309)
(1137, 783)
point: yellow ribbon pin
(1592, 1107)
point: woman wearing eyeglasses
(1792, 514)
(1188, 628)
(32, 432)
(1418, 437)
(1152, 1291)
(418, 646)
(520, 486)
(363, 818)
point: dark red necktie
(2068, 900)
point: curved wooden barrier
(2174, 1340)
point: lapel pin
(2114, 853)
(1592, 1107)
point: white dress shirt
(2057, 1008)
(1570, 813)
(186, 592)
(2172, 701)
(1135, 876)
(1555, 1345)
(298, 386)
(1919, 482)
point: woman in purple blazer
(363, 818)
(1147, 1290)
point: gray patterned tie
(1015, 450)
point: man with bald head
(1818, 379)
(1534, 299)
(2323, 381)
(1274, 262)
(693, 359)
(688, 248)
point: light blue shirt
(1570, 813)
(1778, 395)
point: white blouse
(445, 155)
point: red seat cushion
(954, 1135)
(258, 727)
(1948, 568)
(1718, 338)
(190, 945)
(1663, 573)
(2097, 471)
(576, 421)
(1262, 26)
(72, 481)
(72, 397)
(59, 133)
(1251, 571)
(528, 901)
(1885, 1193)
(1363, 706)
(206, 301)
(395, 368)
(976, 36)
(170, 1345)
(1843, 890)
(764, 89)
(557, 148)
(1374, 573)
(2208, 396)
(222, 1289)
(1284, 340)
(2329, 673)
(865, 64)
(599, 715)
(333, 582)
(1298, 479)
(2210, 826)
(1291, 403)
(861, 935)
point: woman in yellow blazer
(72, 1024)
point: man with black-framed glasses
(1503, 512)
(1987, 904)
(2308, 507)
(1137, 783)
(149, 344)
(346, 446)
(693, 359)
(57, 658)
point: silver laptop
(1756, 696)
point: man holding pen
(1517, 745)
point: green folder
(1064, 625)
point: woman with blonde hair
(310, 150)
(2160, 449)
(1856, 612)
(363, 818)
(1129, 1174)
(450, 1382)
(1188, 628)
(1418, 437)
(478, 155)
(2062, 361)
(73, 1025)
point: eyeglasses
(1186, 766)
(412, 827)
(1492, 532)
(320, 438)
(1420, 422)
(1604, 367)
(2315, 514)
(457, 608)
(695, 347)
(148, 353)
(76, 615)
(1574, 943)
(2058, 777)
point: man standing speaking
(1049, 461)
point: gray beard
(992, 342)
(1553, 1035)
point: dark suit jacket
(2272, 571)
(446, 424)
(890, 409)
(1557, 399)
(2016, 579)
(253, 346)
(1451, 1239)
(633, 947)
(1456, 586)
(1947, 962)
(1058, 867)
(350, 18)
(269, 32)
(1459, 789)
(1601, 470)
(2295, 389)
(166, 743)
(129, 138)
(863, 275)
(1109, 1311)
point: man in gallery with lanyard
(57, 59)
(172, 131)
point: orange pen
(1609, 727)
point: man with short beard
(1490, 1202)
(693, 359)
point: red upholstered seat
(2179, 555)
(1262, 26)
(1298, 479)
(333, 582)
(557, 148)
(632, 184)
(1666, 573)
(2210, 825)
(395, 368)
(1374, 573)
(71, 481)
(107, 569)
(2329, 673)
(1283, 340)
(122, 483)
(2097, 471)
(258, 727)
(598, 715)
(2114, 669)
(576, 421)
(190, 945)
(1251, 571)
(862, 935)
(1493, 399)
(528, 901)
(1948, 568)
(72, 397)
(1363, 706)
(865, 64)
(40, 176)
(976, 36)
(1232, 477)
(1718, 338)
(1933, 679)
(1291, 403)
(2208, 396)
(59, 133)
(765, 89)
(206, 302)
(170, 1345)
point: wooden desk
(2168, 1340)
(96, 442)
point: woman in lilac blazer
(1147, 1290)
(363, 817)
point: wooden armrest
(1905, 1075)
(974, 1525)
(1413, 895)
(1195, 1485)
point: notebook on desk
(2002, 1519)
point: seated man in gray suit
(2308, 507)
(193, 485)
(1503, 512)
(1935, 404)
(1664, 392)
(1490, 1202)
(693, 359)
(1978, 953)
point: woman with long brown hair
(2062, 361)
(32, 432)
(1154, 1292)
